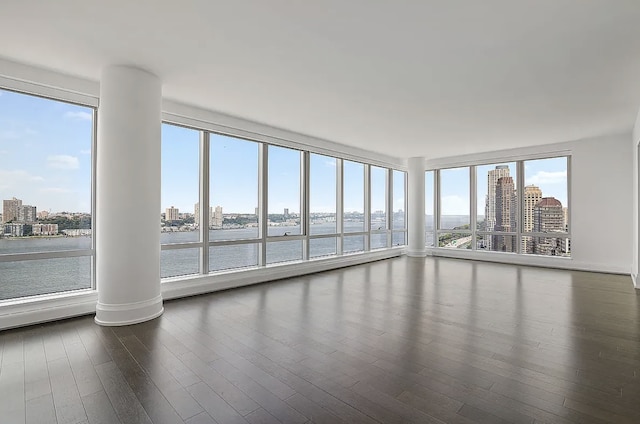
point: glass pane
(430, 238)
(429, 218)
(398, 238)
(43, 276)
(353, 183)
(353, 244)
(545, 202)
(399, 219)
(322, 247)
(41, 243)
(233, 213)
(454, 241)
(283, 251)
(45, 174)
(548, 246)
(378, 198)
(284, 191)
(180, 181)
(497, 199)
(496, 243)
(176, 262)
(234, 256)
(378, 241)
(322, 194)
(454, 199)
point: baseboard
(47, 308)
(531, 260)
(183, 287)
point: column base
(416, 253)
(128, 313)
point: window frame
(263, 239)
(72, 98)
(519, 234)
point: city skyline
(548, 174)
(47, 145)
(46, 150)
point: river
(42, 276)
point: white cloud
(55, 190)
(543, 177)
(9, 135)
(11, 180)
(79, 116)
(65, 162)
(330, 163)
(85, 152)
(16, 134)
(455, 205)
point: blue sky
(548, 174)
(234, 176)
(45, 160)
(45, 153)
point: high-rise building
(196, 214)
(490, 201)
(172, 214)
(548, 217)
(286, 212)
(505, 214)
(27, 213)
(217, 220)
(532, 195)
(11, 209)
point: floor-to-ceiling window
(323, 191)
(46, 185)
(180, 179)
(454, 229)
(379, 192)
(429, 209)
(399, 206)
(512, 207)
(353, 215)
(497, 213)
(284, 205)
(230, 203)
(233, 199)
(545, 200)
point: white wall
(635, 249)
(601, 203)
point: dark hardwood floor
(403, 340)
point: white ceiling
(404, 78)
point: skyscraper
(218, 219)
(171, 214)
(490, 201)
(548, 217)
(532, 195)
(11, 209)
(196, 214)
(27, 213)
(505, 214)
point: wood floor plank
(99, 408)
(121, 396)
(428, 340)
(40, 410)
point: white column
(416, 208)
(127, 218)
